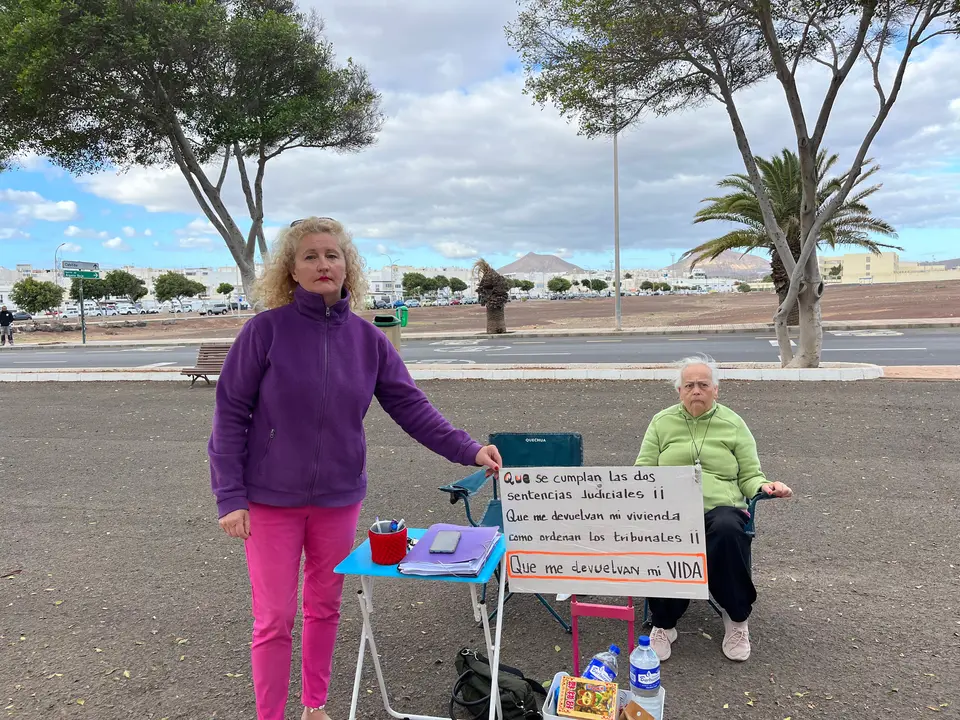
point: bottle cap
(644, 641)
(615, 649)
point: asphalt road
(883, 347)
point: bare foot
(320, 714)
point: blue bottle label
(645, 678)
(596, 670)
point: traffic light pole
(83, 318)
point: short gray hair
(699, 359)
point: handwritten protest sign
(605, 531)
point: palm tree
(851, 224)
(494, 292)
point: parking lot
(118, 589)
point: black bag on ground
(518, 694)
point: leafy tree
(494, 293)
(441, 282)
(598, 285)
(34, 296)
(585, 283)
(527, 285)
(429, 286)
(457, 285)
(95, 290)
(558, 284)
(608, 63)
(836, 270)
(628, 276)
(767, 279)
(744, 287)
(663, 287)
(95, 84)
(413, 284)
(175, 286)
(224, 289)
(121, 283)
(647, 285)
(851, 223)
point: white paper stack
(472, 553)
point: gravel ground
(121, 598)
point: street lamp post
(56, 277)
(392, 283)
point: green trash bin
(402, 312)
(390, 326)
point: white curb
(841, 372)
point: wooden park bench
(209, 362)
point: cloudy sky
(467, 166)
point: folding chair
(518, 450)
(750, 530)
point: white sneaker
(736, 639)
(661, 640)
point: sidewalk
(553, 332)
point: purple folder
(472, 551)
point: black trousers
(728, 570)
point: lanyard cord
(693, 438)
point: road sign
(84, 274)
(78, 265)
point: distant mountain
(534, 263)
(949, 264)
(728, 264)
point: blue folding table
(360, 563)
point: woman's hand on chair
(490, 458)
(777, 489)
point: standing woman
(288, 451)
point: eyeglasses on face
(297, 222)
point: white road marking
(865, 333)
(872, 349)
(527, 354)
(155, 365)
(531, 342)
(604, 341)
(776, 344)
(471, 349)
(31, 362)
(48, 352)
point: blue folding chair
(518, 450)
(750, 530)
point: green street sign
(84, 274)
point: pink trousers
(279, 537)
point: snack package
(586, 699)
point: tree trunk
(496, 321)
(811, 326)
(781, 283)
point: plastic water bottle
(603, 666)
(645, 677)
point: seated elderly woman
(700, 431)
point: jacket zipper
(323, 404)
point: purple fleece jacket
(295, 387)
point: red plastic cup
(388, 548)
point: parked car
(399, 303)
(214, 309)
(412, 302)
(21, 315)
(126, 310)
(381, 304)
(242, 306)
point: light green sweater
(728, 456)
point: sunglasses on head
(297, 222)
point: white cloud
(13, 234)
(116, 243)
(455, 250)
(466, 165)
(129, 231)
(71, 248)
(192, 243)
(32, 205)
(78, 232)
(148, 232)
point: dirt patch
(117, 588)
(840, 302)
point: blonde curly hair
(276, 286)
